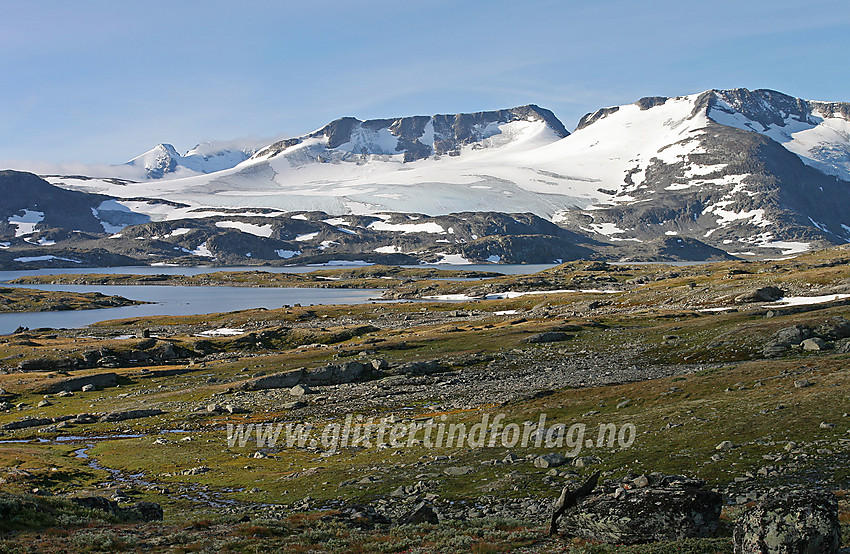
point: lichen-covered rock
(799, 522)
(668, 507)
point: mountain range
(716, 174)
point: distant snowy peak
(163, 160)
(157, 161)
(417, 137)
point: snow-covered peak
(163, 160)
(157, 161)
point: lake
(178, 300)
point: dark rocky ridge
(450, 131)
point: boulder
(299, 391)
(553, 459)
(130, 414)
(283, 380)
(790, 336)
(421, 513)
(335, 374)
(95, 503)
(763, 294)
(584, 461)
(799, 522)
(815, 344)
(549, 336)
(668, 508)
(459, 470)
(142, 511)
(26, 423)
(96, 380)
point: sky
(100, 82)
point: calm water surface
(179, 300)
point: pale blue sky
(103, 81)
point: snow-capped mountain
(737, 169)
(163, 160)
(749, 172)
(467, 162)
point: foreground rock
(797, 522)
(140, 511)
(665, 508)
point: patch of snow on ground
(805, 300)
(286, 254)
(514, 294)
(494, 258)
(177, 232)
(26, 223)
(430, 227)
(45, 259)
(388, 249)
(250, 228)
(202, 250)
(453, 259)
(221, 332)
(787, 247)
(307, 236)
(606, 229)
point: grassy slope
(679, 419)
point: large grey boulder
(421, 513)
(667, 508)
(799, 522)
(763, 294)
(130, 414)
(335, 374)
(96, 380)
(552, 459)
(283, 380)
(549, 336)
